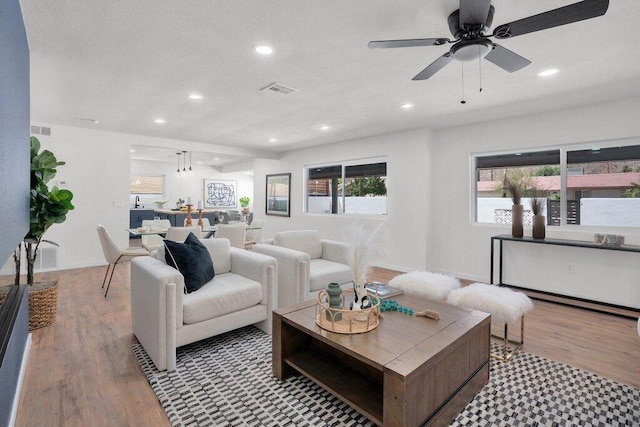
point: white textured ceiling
(124, 63)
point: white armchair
(306, 264)
(164, 317)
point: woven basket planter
(43, 304)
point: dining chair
(152, 242)
(233, 232)
(253, 233)
(115, 255)
(179, 234)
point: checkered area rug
(226, 381)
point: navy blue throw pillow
(192, 260)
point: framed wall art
(278, 200)
(220, 194)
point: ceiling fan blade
(506, 59)
(474, 12)
(434, 67)
(554, 18)
(385, 44)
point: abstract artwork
(278, 194)
(219, 194)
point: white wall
(461, 247)
(97, 171)
(408, 186)
(429, 224)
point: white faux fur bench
(425, 284)
(505, 306)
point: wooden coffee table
(408, 371)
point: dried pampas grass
(365, 247)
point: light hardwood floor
(81, 370)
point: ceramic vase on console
(517, 213)
(335, 301)
(538, 230)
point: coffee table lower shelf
(357, 390)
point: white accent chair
(115, 255)
(306, 264)
(164, 317)
(254, 233)
(234, 232)
(179, 234)
(151, 242)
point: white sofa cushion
(307, 241)
(323, 272)
(226, 293)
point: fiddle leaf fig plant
(47, 206)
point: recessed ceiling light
(549, 72)
(195, 97)
(324, 128)
(133, 150)
(263, 50)
(273, 140)
(407, 106)
(159, 121)
(216, 159)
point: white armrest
(257, 267)
(293, 272)
(335, 251)
(156, 294)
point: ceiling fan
(469, 26)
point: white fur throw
(505, 305)
(425, 284)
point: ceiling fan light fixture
(471, 50)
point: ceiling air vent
(278, 88)
(40, 130)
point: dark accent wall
(14, 128)
(14, 192)
(14, 332)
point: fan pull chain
(480, 67)
(462, 68)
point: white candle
(188, 200)
(200, 204)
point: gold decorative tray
(344, 320)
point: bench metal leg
(507, 352)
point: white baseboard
(23, 368)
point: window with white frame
(601, 185)
(354, 187)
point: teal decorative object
(335, 301)
(392, 305)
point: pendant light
(184, 163)
(178, 164)
(190, 170)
